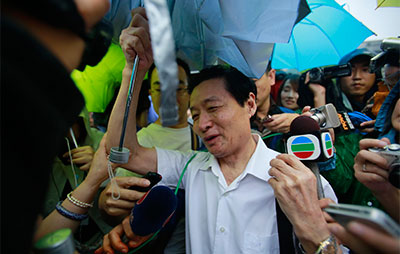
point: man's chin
(218, 153)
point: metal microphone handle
(314, 168)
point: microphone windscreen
(303, 125)
(153, 210)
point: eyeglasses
(180, 91)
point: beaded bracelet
(77, 202)
(68, 214)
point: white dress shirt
(239, 218)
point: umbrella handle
(121, 154)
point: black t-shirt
(39, 102)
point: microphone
(307, 142)
(153, 210)
(310, 145)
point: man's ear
(251, 104)
(271, 76)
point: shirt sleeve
(170, 165)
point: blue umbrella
(240, 33)
(321, 38)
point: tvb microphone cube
(314, 146)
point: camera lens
(393, 147)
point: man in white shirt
(230, 190)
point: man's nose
(356, 73)
(204, 122)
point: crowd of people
(237, 189)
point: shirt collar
(258, 164)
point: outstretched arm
(85, 192)
(134, 40)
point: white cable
(72, 164)
(113, 182)
(73, 137)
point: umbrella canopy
(241, 33)
(387, 3)
(321, 38)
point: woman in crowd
(288, 92)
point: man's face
(360, 81)
(182, 96)
(218, 118)
(264, 87)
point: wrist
(127, 71)
(328, 246)
(92, 185)
(311, 237)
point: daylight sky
(384, 21)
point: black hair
(236, 83)
(180, 63)
(294, 82)
(57, 13)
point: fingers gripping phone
(344, 213)
(267, 119)
(153, 177)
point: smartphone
(153, 177)
(374, 217)
(267, 119)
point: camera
(390, 55)
(319, 74)
(326, 116)
(392, 155)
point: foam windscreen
(153, 210)
(303, 125)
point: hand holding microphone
(148, 216)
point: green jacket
(346, 186)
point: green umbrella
(387, 3)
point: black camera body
(392, 155)
(390, 54)
(319, 74)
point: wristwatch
(327, 246)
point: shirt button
(222, 229)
